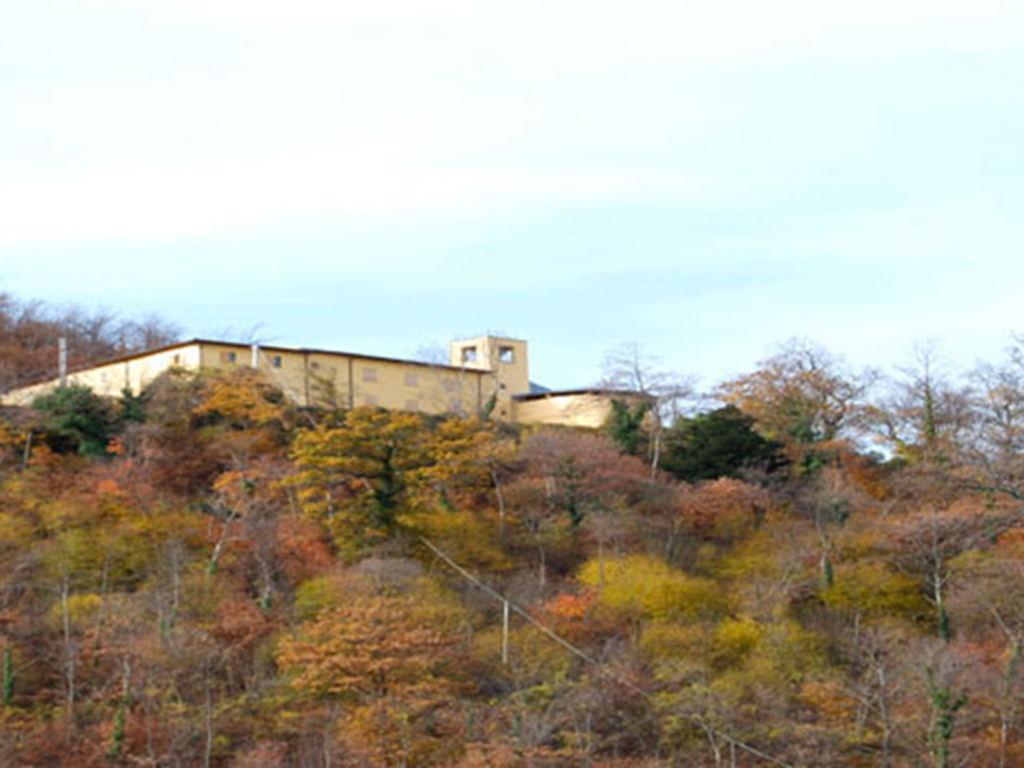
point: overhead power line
(508, 605)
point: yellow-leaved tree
(380, 472)
(645, 588)
(356, 477)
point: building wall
(111, 379)
(582, 410)
(505, 359)
(401, 386)
(336, 380)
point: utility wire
(547, 631)
(583, 654)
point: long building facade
(483, 372)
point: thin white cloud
(274, 13)
(605, 31)
(920, 232)
(838, 151)
(162, 201)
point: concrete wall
(336, 380)
(578, 410)
(507, 361)
(111, 379)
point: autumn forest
(809, 564)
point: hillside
(206, 575)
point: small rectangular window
(314, 365)
(507, 354)
(277, 361)
(412, 380)
(369, 374)
(469, 354)
(177, 360)
(228, 357)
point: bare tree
(433, 353)
(630, 369)
(805, 398)
(30, 330)
(998, 446)
(880, 685)
(926, 544)
(923, 413)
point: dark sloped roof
(553, 393)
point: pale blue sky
(709, 179)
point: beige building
(479, 371)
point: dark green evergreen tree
(132, 407)
(76, 419)
(716, 444)
(626, 425)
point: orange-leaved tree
(804, 398)
(388, 657)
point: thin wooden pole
(600, 668)
(504, 633)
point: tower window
(507, 354)
(469, 354)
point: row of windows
(411, 379)
(469, 355)
(505, 354)
(369, 374)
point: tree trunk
(69, 651)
